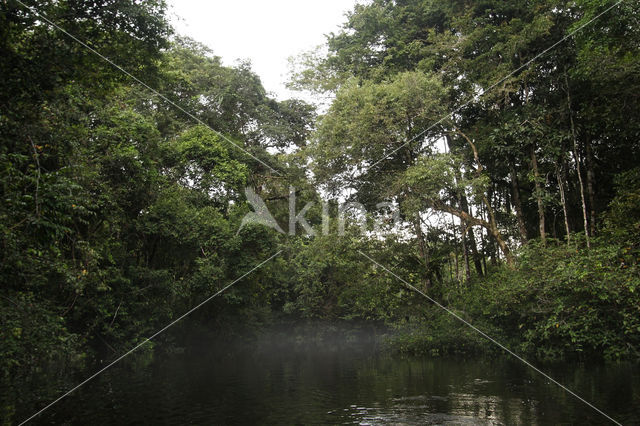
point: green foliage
(622, 221)
(559, 302)
(436, 333)
(368, 121)
(119, 212)
(33, 333)
(566, 302)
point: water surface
(339, 380)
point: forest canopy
(503, 133)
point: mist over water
(329, 374)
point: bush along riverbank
(560, 301)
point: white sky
(267, 32)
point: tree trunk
(536, 177)
(484, 255)
(517, 204)
(563, 201)
(591, 177)
(457, 265)
(455, 235)
(464, 205)
(465, 251)
(424, 253)
(477, 261)
(492, 225)
(483, 242)
(577, 159)
(581, 183)
(502, 244)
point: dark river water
(334, 381)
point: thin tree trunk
(477, 262)
(455, 237)
(483, 241)
(466, 230)
(465, 250)
(591, 177)
(584, 204)
(36, 158)
(457, 265)
(453, 221)
(517, 204)
(577, 159)
(464, 205)
(424, 253)
(493, 247)
(563, 201)
(422, 247)
(484, 255)
(453, 224)
(536, 176)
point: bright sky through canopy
(265, 32)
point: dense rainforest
(500, 137)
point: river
(342, 380)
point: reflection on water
(331, 381)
